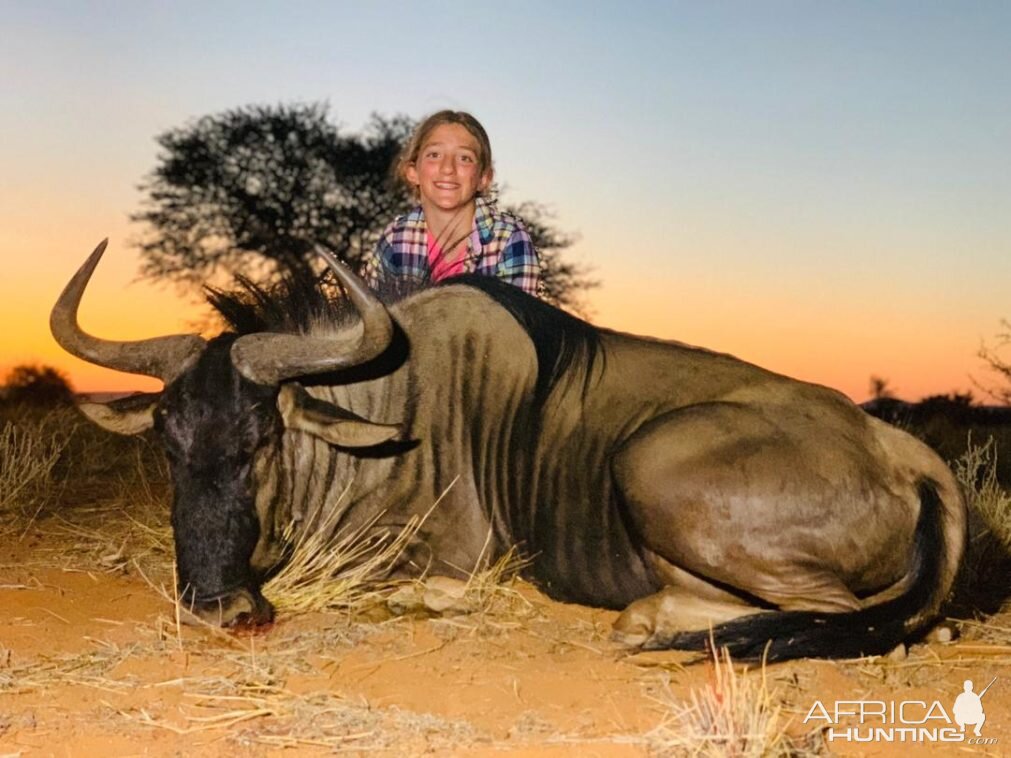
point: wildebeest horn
(161, 357)
(267, 358)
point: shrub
(42, 386)
(984, 581)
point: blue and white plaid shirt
(498, 245)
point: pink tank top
(442, 265)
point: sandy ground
(92, 663)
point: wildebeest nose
(244, 607)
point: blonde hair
(409, 155)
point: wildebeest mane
(563, 343)
(300, 302)
(296, 303)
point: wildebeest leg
(686, 603)
(673, 609)
(730, 495)
(435, 594)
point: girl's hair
(409, 155)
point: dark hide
(211, 422)
(694, 490)
(566, 346)
(800, 634)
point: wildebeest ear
(128, 415)
(329, 422)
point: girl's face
(447, 171)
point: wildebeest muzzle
(240, 607)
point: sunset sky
(821, 188)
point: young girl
(454, 229)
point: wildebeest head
(220, 418)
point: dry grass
(100, 467)
(735, 714)
(57, 466)
(488, 591)
(30, 447)
(116, 539)
(332, 569)
(112, 497)
(923, 666)
(103, 496)
(976, 471)
(491, 590)
(984, 582)
(273, 716)
(231, 690)
(994, 631)
(88, 669)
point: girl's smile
(453, 228)
(448, 171)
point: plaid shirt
(498, 245)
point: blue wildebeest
(685, 486)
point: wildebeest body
(687, 485)
(543, 477)
(472, 430)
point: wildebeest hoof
(655, 621)
(944, 633)
(447, 596)
(242, 608)
(898, 653)
(438, 595)
(406, 600)
(631, 639)
(636, 625)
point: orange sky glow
(823, 190)
(800, 338)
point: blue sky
(822, 188)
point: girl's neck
(449, 228)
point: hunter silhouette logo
(904, 720)
(968, 707)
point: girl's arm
(378, 266)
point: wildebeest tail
(875, 630)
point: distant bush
(51, 455)
(42, 386)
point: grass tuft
(734, 714)
(333, 569)
(492, 589)
(30, 447)
(984, 581)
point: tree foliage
(264, 184)
(38, 386)
(999, 365)
(564, 282)
(254, 189)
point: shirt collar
(416, 217)
(484, 219)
